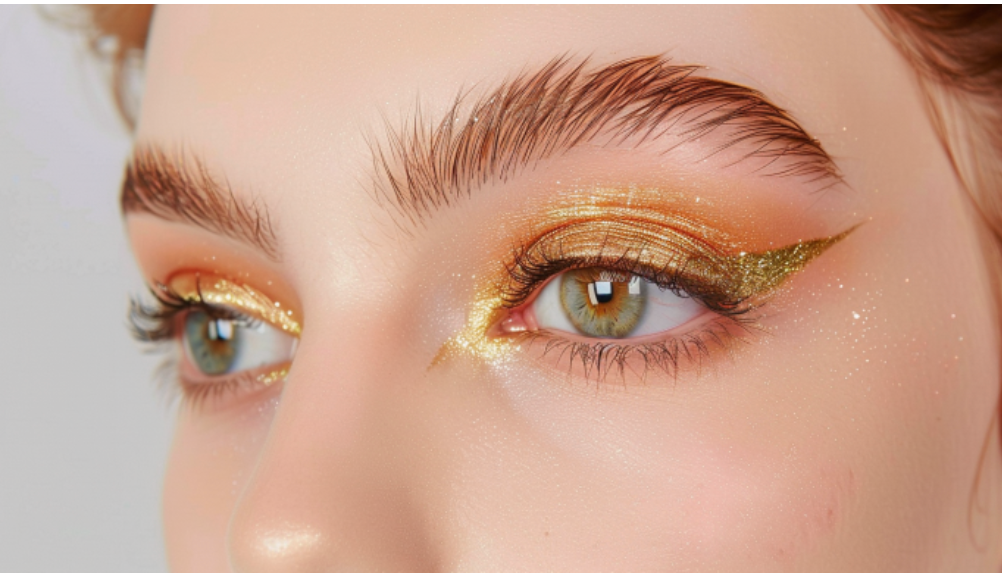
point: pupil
(603, 303)
(603, 291)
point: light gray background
(83, 430)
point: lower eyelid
(220, 291)
(704, 340)
(218, 392)
(706, 317)
(265, 375)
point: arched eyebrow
(419, 167)
(180, 188)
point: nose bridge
(336, 484)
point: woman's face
(557, 301)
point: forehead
(311, 81)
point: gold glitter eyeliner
(654, 247)
(215, 290)
(672, 250)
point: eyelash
(157, 325)
(600, 359)
(527, 273)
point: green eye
(222, 346)
(602, 303)
(213, 344)
(608, 304)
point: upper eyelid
(526, 293)
(156, 322)
(213, 290)
(720, 281)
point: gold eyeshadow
(215, 290)
(627, 231)
(657, 245)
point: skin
(854, 434)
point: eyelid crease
(214, 290)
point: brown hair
(116, 34)
(957, 54)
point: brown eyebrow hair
(179, 187)
(422, 167)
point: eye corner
(512, 322)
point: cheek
(747, 499)
(211, 459)
(699, 475)
(770, 509)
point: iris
(603, 303)
(212, 343)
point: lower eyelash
(600, 359)
(174, 388)
(195, 395)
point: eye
(219, 346)
(607, 304)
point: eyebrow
(181, 188)
(420, 167)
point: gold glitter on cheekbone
(215, 290)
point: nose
(337, 485)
